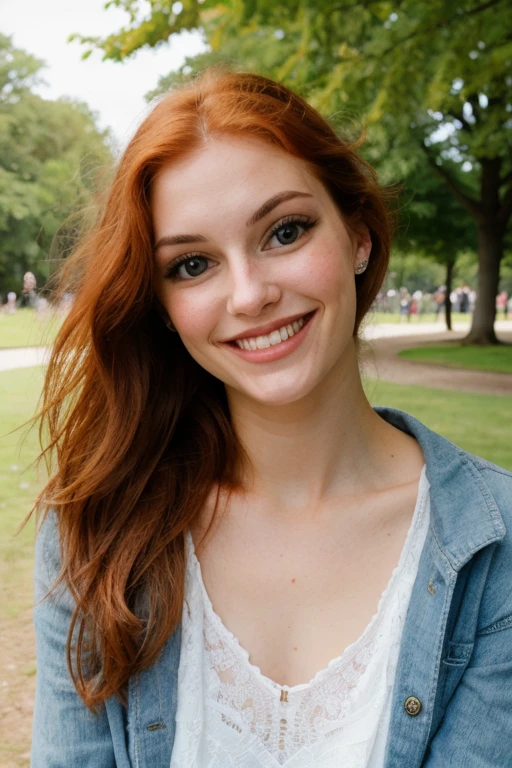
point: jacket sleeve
(65, 733)
(476, 731)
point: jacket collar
(464, 514)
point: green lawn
(19, 485)
(453, 355)
(28, 329)
(394, 317)
(481, 424)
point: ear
(363, 247)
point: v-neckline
(351, 650)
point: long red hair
(139, 432)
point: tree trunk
(449, 285)
(490, 251)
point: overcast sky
(114, 90)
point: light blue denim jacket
(455, 655)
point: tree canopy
(428, 75)
(51, 154)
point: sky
(115, 91)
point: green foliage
(405, 67)
(429, 78)
(150, 23)
(415, 62)
(51, 159)
(18, 71)
(414, 271)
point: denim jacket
(452, 699)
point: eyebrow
(282, 197)
(263, 211)
(180, 240)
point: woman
(256, 567)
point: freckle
(295, 649)
(289, 627)
(392, 455)
(293, 581)
(389, 534)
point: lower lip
(276, 352)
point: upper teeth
(276, 337)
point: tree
(433, 223)
(51, 155)
(430, 73)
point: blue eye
(288, 233)
(187, 268)
(290, 229)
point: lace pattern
(230, 714)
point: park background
(430, 83)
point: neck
(329, 443)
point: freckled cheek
(327, 273)
(194, 316)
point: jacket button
(412, 706)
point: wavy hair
(137, 432)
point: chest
(295, 598)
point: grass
(394, 318)
(480, 424)
(19, 485)
(497, 359)
(27, 328)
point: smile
(274, 338)
(265, 348)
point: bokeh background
(429, 84)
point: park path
(380, 358)
(22, 357)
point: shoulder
(499, 481)
(496, 606)
(438, 450)
(471, 498)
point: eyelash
(305, 221)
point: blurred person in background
(464, 299)
(439, 299)
(501, 303)
(28, 293)
(11, 303)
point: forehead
(231, 173)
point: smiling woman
(241, 562)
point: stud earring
(360, 268)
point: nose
(251, 290)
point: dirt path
(384, 364)
(17, 689)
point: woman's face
(256, 268)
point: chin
(277, 396)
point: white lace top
(231, 716)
